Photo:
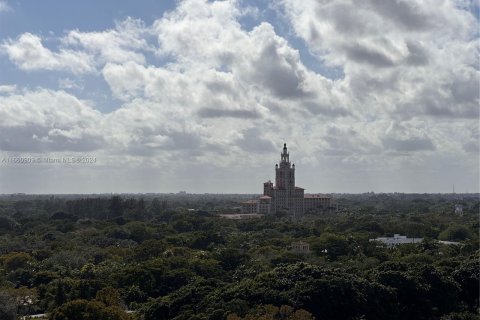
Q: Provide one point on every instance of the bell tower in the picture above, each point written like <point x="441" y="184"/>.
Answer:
<point x="285" y="172"/>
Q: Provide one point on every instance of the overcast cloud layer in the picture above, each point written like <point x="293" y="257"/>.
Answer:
<point x="368" y="95"/>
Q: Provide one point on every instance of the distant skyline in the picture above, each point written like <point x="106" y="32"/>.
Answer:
<point x="200" y="95"/>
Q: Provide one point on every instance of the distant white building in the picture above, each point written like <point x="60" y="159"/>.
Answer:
<point x="241" y="216"/>
<point x="458" y="209"/>
<point x="397" y="239"/>
<point x="454" y="243"/>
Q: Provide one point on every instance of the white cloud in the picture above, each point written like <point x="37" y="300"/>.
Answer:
<point x="44" y="120"/>
<point x="210" y="33"/>
<point x="4" y="7"/>
<point x="67" y="83"/>
<point x="122" y="44"/>
<point x="127" y="80"/>
<point x="28" y="53"/>
<point x="8" y="88"/>
<point x="197" y="30"/>
<point x="408" y="97"/>
<point x="406" y="137"/>
<point x="405" y="57"/>
<point x="81" y="52"/>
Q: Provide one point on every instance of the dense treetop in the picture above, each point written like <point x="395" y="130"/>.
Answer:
<point x="75" y="257"/>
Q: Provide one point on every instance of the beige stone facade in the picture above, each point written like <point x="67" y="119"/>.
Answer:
<point x="300" y="247"/>
<point x="250" y="206"/>
<point x="317" y="201"/>
<point x="284" y="196"/>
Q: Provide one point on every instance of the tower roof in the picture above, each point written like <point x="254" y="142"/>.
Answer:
<point x="284" y="155"/>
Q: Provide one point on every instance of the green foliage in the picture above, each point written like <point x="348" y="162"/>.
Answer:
<point x="467" y="275"/>
<point x="109" y="296"/>
<point x="16" y="260"/>
<point x="134" y="294"/>
<point x="7" y="224"/>
<point x="116" y="207"/>
<point x="8" y="306"/>
<point x="88" y="310"/>
<point x="230" y="258"/>
<point x="455" y="232"/>
<point x="269" y="312"/>
<point x="190" y="296"/>
<point x="331" y="245"/>
<point x="420" y="291"/>
<point x="95" y="257"/>
<point x="138" y="231"/>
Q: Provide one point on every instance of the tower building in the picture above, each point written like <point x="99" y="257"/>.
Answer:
<point x="284" y="196"/>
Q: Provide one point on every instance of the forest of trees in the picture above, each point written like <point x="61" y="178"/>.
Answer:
<point x="172" y="257"/>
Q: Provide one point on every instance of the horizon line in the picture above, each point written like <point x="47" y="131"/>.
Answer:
<point x="239" y="193"/>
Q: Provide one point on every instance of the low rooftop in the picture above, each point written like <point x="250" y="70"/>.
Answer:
<point x="322" y="196"/>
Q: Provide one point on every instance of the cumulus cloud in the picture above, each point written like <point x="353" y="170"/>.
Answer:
<point x="8" y="88"/>
<point x="252" y="140"/>
<point x="407" y="137"/>
<point x="239" y="79"/>
<point x="127" y="80"/>
<point x="44" y="120"/>
<point x="277" y="66"/>
<point x="28" y="53"/>
<point x="221" y="113"/>
<point x="347" y="140"/>
<point x="409" y="15"/>
<point x="81" y="52"/>
<point x="195" y="88"/>
<point x="210" y="32"/>
<point x="400" y="56"/>
<point x="407" y="145"/>
<point x="471" y="141"/>
<point x="126" y="42"/>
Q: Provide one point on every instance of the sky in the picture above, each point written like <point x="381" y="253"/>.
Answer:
<point x="160" y="96"/>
